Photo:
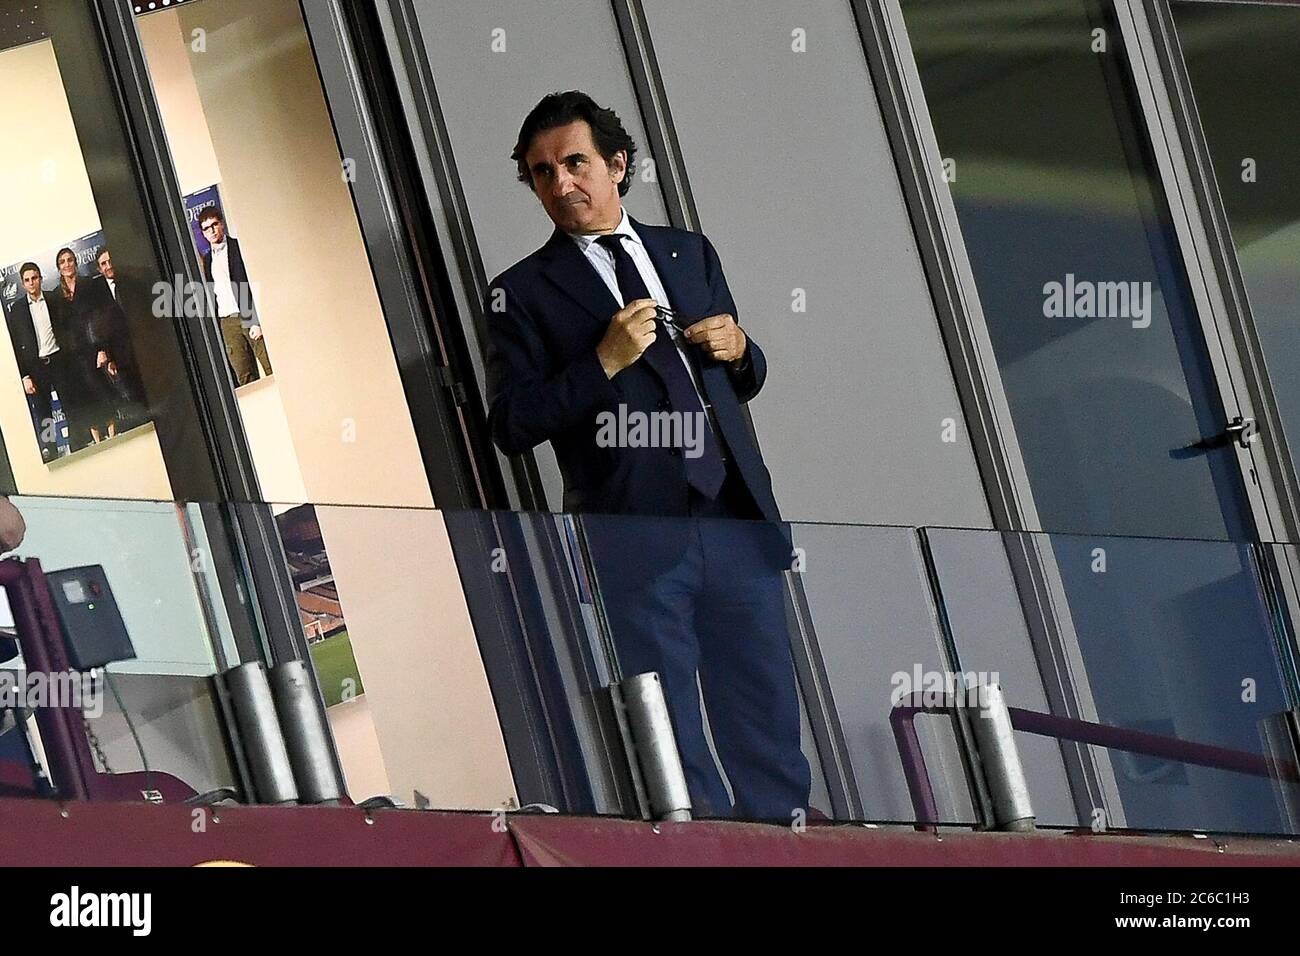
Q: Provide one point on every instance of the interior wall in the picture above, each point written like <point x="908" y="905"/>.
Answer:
<point x="434" y="718"/>
<point x="284" y="190"/>
<point x="353" y="725"/>
<point x="270" y="438"/>
<point x="48" y="201"/>
<point x="859" y="419"/>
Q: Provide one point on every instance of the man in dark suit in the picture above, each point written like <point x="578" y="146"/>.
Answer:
<point x="109" y="336"/>
<point x="46" y="357"/>
<point x="232" y="297"/>
<point x="617" y="342"/>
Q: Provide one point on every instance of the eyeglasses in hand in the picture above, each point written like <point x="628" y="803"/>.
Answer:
<point x="678" y="321"/>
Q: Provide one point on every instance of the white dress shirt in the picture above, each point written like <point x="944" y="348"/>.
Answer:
<point x="112" y="287"/>
<point x="222" y="287"/>
<point x="46" y="343"/>
<point x="602" y="260"/>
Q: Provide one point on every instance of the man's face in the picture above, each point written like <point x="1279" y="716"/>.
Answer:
<point x="32" y="283"/>
<point x="573" y="181"/>
<point x="105" y="265"/>
<point x="214" y="230"/>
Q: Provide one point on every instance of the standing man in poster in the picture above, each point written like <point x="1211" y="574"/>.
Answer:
<point x="685" y="538"/>
<point x="232" y="295"/>
<point x="110" y="337"/>
<point x="36" y="325"/>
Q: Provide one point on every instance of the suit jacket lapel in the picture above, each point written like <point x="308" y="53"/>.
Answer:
<point x="660" y="252"/>
<point x="570" y="272"/>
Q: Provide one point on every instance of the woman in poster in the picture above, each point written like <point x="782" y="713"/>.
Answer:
<point x="96" y="404"/>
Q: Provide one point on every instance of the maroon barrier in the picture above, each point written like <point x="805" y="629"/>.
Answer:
<point x="573" y="841"/>
<point x="77" y="833"/>
<point x="36" y="833"/>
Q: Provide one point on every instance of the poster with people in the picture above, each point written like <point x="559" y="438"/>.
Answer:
<point x="69" y="314"/>
<point x="232" y="295"/>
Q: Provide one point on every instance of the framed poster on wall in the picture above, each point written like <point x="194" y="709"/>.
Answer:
<point x="232" y="293"/>
<point x="68" y="315"/>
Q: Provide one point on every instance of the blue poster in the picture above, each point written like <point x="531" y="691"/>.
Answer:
<point x="195" y="203"/>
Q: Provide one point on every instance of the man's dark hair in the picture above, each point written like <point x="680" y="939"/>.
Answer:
<point x="208" y="213"/>
<point x="561" y="109"/>
<point x="27" y="267"/>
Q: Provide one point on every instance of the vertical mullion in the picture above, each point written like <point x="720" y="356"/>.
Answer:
<point x="415" y="99"/>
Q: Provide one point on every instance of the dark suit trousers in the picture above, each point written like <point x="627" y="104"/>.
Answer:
<point x="719" y="611"/>
<point x="60" y="373"/>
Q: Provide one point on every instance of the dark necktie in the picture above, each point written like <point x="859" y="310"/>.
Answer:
<point x="707" y="472"/>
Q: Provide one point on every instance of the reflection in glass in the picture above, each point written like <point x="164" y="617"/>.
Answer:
<point x="1079" y="275"/>
<point x="855" y="617"/>
<point x="383" y="609"/>
<point x="1162" y="637"/>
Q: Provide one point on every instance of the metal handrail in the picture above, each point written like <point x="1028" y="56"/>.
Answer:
<point x="903" y="716"/>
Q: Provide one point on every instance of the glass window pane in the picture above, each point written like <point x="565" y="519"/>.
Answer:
<point x="150" y="720"/>
<point x="850" y="633"/>
<point x="308" y="348"/>
<point x="1166" y="638"/>
<point x="394" y="652"/>
<point x="1082" y="286"/>
<point x="94" y="395"/>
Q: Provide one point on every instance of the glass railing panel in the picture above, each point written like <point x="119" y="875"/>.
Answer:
<point x="466" y="658"/>
<point x="1172" y="642"/>
<point x="130" y="592"/>
<point x="385" y="603"/>
<point x="798" y="639"/>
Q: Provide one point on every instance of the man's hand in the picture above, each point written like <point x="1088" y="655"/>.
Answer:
<point x="255" y="332"/>
<point x="28" y="385"/>
<point x="630" y="333"/>
<point x="720" y="337"/>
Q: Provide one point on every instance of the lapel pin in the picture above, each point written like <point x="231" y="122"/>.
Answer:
<point x="674" y="253"/>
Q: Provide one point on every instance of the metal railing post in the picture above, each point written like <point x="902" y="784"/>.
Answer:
<point x="998" y="757"/>
<point x="259" y="728"/>
<point x="654" y="747"/>
<point x="306" y="733"/>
